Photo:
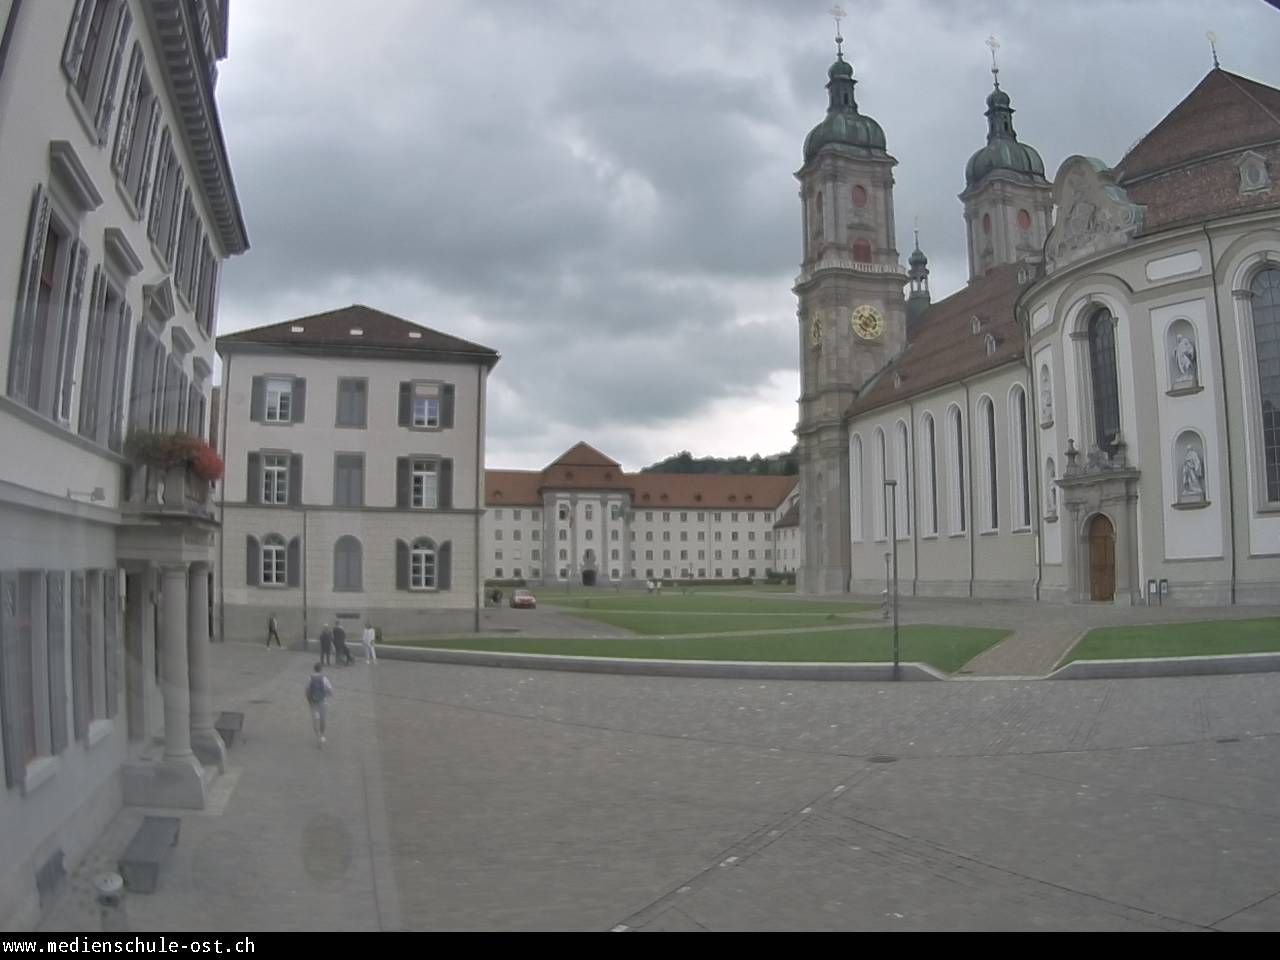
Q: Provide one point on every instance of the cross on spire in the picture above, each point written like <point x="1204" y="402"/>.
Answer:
<point x="994" y="45"/>
<point x="1213" y="46"/>
<point x="838" y="14"/>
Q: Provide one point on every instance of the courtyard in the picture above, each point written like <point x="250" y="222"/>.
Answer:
<point x="454" y="797"/>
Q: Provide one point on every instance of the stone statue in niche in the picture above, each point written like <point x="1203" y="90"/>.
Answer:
<point x="1046" y="402"/>
<point x="1184" y="358"/>
<point x="1192" y="475"/>
<point x="1052" y="495"/>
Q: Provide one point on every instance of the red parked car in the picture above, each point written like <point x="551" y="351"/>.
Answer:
<point x="523" y="599"/>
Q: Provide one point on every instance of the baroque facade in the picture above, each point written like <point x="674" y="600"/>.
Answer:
<point x="1095" y="416"/>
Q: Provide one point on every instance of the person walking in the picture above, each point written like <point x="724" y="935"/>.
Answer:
<point x="273" y="631"/>
<point x="341" y="650"/>
<point x="319" y="690"/>
<point x="326" y="645"/>
<point x="368" y="638"/>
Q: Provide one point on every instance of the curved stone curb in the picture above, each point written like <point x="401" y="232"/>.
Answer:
<point x="1168" y="667"/>
<point x="728" y="669"/>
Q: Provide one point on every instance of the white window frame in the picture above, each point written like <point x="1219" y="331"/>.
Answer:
<point x="274" y="571"/>
<point x="420" y="472"/>
<point x="275" y="478"/>
<point x="422" y="565"/>
<point x="278" y="400"/>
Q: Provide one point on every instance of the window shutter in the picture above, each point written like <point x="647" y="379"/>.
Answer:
<point x="258" y="400"/>
<point x="360" y="402"/>
<point x="254" y="492"/>
<point x="446" y="406"/>
<point x="144" y="182"/>
<point x="24" y="324"/>
<point x="253" y="562"/>
<point x="445" y="500"/>
<point x="402" y="565"/>
<point x="71" y="331"/>
<point x="73" y="51"/>
<point x="95" y="342"/>
<point x="111" y="638"/>
<point x="402" y="482"/>
<point x="107" y="104"/>
<point x="295" y="479"/>
<point x="119" y="376"/>
<point x="299" y="411"/>
<point x="80" y="641"/>
<point x="12" y="719"/>
<point x="56" y="632"/>
<point x="128" y="113"/>
<point x="293" y="562"/>
<point x="405" y="389"/>
<point x="444" y="565"/>
<point x="356" y="481"/>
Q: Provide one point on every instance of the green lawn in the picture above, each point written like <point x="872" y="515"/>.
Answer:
<point x="1180" y="640"/>
<point x="946" y="648"/>
<point x="665" y="623"/>
<point x="696" y="601"/>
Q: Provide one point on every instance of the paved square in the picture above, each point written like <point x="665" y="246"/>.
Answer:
<point x="471" y="798"/>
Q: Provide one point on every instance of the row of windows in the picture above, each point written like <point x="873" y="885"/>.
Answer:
<point x="422" y="483"/>
<point x="421" y="564"/>
<point x="648" y="555"/>
<point x="617" y="514"/>
<point x="97" y="38"/>
<point x="422" y="404"/>
<point x="899" y="468"/>
<point x="47" y="351"/>
<point x="58" y="630"/>
<point x="616" y="574"/>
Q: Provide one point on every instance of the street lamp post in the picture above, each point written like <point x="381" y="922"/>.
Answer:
<point x="892" y="491"/>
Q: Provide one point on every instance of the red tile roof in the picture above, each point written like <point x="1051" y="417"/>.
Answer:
<point x="1225" y="112"/>
<point x="585" y="468"/>
<point x="945" y="348"/>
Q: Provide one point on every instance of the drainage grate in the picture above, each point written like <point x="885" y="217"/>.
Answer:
<point x="1228" y="740"/>
<point x="882" y="758"/>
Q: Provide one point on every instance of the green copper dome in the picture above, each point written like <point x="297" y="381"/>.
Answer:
<point x="917" y="258"/>
<point x="1003" y="150"/>
<point x="843" y="125"/>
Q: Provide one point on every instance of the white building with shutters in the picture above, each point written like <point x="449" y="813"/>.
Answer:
<point x="117" y="208"/>
<point x="354" y="447"/>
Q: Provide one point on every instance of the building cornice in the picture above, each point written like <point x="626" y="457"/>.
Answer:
<point x="189" y="80"/>
<point x="357" y="351"/>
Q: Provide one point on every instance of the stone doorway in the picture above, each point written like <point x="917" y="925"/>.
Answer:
<point x="1102" y="559"/>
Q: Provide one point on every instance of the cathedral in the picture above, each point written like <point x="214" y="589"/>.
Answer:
<point x="1095" y="415"/>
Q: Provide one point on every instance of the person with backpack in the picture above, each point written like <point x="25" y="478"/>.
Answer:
<point x="319" y="690"/>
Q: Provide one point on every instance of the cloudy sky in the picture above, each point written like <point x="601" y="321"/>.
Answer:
<point x="604" y="192"/>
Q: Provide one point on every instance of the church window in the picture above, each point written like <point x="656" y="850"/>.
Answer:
<point x="862" y="250"/>
<point x="1106" y="388"/>
<point x="1266" y="337"/>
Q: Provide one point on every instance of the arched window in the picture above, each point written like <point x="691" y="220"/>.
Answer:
<point x="930" y="475"/>
<point x="817" y="217"/>
<point x="878" y="495"/>
<point x="274" y="572"/>
<point x="1021" y="466"/>
<point x="856" y="486"/>
<point x="902" y="471"/>
<point x="991" y="487"/>
<point x="957" y="486"/>
<point x="1102" y="373"/>
<point x="422" y="564"/>
<point x="862" y="250"/>
<point x="1266" y="337"/>
<point x="348" y="564"/>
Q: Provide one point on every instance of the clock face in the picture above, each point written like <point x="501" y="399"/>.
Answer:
<point x="867" y="322"/>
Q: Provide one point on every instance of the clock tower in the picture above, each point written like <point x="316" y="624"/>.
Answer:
<point x="852" y="314"/>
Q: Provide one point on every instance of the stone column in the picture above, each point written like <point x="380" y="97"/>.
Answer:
<point x="177" y="780"/>
<point x="205" y="741"/>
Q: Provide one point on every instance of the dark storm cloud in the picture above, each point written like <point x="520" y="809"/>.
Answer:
<point x="605" y="192"/>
